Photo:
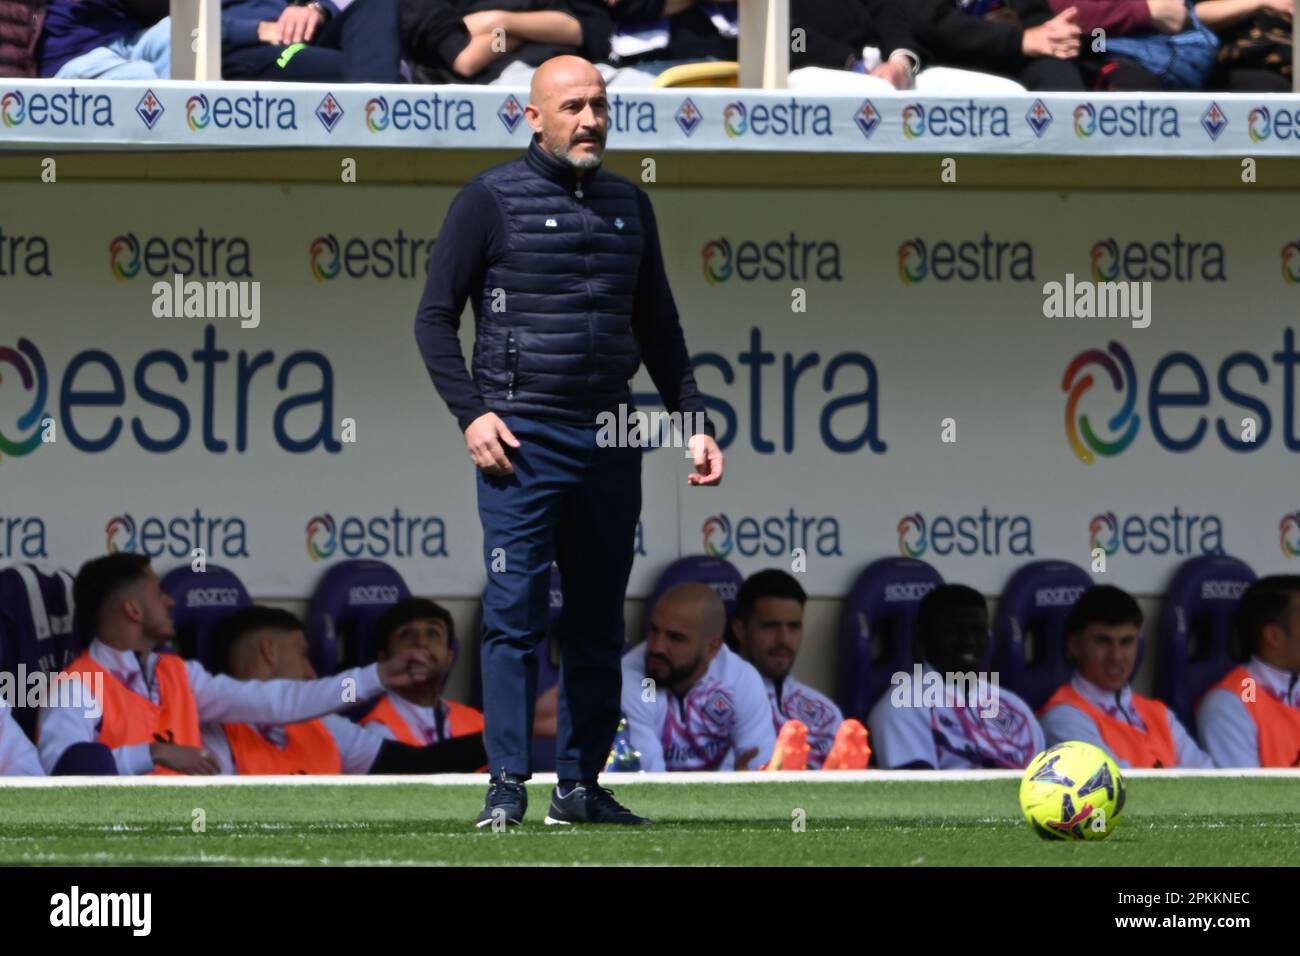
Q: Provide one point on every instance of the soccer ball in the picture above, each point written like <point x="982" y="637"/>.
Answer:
<point x="1072" y="791"/>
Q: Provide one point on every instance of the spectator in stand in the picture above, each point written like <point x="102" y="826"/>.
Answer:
<point x="1255" y="54"/>
<point x="455" y="41"/>
<point x="105" y="40"/>
<point x="349" y="41"/>
<point x="1026" y="40"/>
<point x="653" y="35"/>
<point x="868" y="45"/>
<point x="1019" y="39"/>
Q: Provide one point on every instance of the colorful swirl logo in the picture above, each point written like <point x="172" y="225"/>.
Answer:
<point x="717" y="261"/>
<point x="1078" y="429"/>
<point x="1291" y="263"/>
<point x="1085" y="120"/>
<point x="120" y="534"/>
<point x="325" y="263"/>
<point x="27" y="362"/>
<point x="13" y="108"/>
<point x="1259" y="124"/>
<point x="913" y="121"/>
<point x="196" y="111"/>
<point x="717" y="536"/>
<point x="124" y="256"/>
<point x="1105" y="261"/>
<point x="913" y="262"/>
<point x="1103" y="532"/>
<point x="735" y="119"/>
<point x="1289" y="530"/>
<point x="376" y="114"/>
<point x="911" y="536"/>
<point x="321" y="537"/>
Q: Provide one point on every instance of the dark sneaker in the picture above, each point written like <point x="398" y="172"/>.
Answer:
<point x="590" y="803"/>
<point x="507" y="801"/>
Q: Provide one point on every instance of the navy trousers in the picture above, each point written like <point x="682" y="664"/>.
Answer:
<point x="575" y="503"/>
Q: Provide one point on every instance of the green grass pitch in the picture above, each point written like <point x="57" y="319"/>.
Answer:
<point x="1189" y="821"/>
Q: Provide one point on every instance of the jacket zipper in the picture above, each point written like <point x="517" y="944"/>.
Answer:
<point x="586" y="258"/>
<point x="512" y="364"/>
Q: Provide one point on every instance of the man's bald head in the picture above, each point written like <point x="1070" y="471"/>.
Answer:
<point x="684" y="635"/>
<point x="702" y="603"/>
<point x="568" y="109"/>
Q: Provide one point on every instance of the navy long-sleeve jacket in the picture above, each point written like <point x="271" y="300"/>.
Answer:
<point x="574" y="331"/>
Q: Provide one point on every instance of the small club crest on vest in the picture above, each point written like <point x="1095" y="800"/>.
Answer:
<point x="618" y="223"/>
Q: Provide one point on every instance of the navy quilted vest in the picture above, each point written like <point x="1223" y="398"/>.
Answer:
<point x="554" y="338"/>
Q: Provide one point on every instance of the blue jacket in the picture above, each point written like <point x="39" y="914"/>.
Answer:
<point x="566" y="279"/>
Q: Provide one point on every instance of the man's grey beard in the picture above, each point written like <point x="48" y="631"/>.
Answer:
<point x="585" y="162"/>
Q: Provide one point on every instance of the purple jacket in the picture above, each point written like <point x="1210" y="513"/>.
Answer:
<point x="20" y="28"/>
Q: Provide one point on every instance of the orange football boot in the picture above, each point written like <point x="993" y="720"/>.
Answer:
<point x="791" y="750"/>
<point x="851" y="749"/>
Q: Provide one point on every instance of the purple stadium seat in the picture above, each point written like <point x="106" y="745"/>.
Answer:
<point x="1029" y="629"/>
<point x="202" y="599"/>
<point x="341" y="620"/>
<point x="717" y="573"/>
<point x="38" y="627"/>
<point x="1197" y="642"/>
<point x="876" y="630"/>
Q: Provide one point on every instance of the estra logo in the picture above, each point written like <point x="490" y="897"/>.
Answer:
<point x="968" y="534"/>
<point x="945" y="121"/>
<point x="389" y="257"/>
<point x="1172" y="260"/>
<point x="792" y="119"/>
<point x="1171" y="532"/>
<point x="240" y="112"/>
<point x="379" y="536"/>
<point x="965" y="260"/>
<point x="177" y="535"/>
<point x="792" y="259"/>
<point x="198" y="255"/>
<point x="774" y="535"/>
<point x="32" y="378"/>
<point x="55" y="109"/>
<point x="1138" y="120"/>
<point x="199" y="399"/>
<point x="1289" y="531"/>
<point x="1235" y="372"/>
<point x="436" y="112"/>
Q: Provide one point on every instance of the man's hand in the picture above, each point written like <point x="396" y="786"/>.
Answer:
<point x="895" y="72"/>
<point x="182" y="759"/>
<point x="1058" y="37"/>
<point x="484" y="438"/>
<point x="743" y="759"/>
<point x="409" y="668"/>
<point x="296" y="25"/>
<point x="708" y="461"/>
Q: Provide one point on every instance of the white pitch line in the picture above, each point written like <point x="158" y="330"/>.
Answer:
<point x="613" y="780"/>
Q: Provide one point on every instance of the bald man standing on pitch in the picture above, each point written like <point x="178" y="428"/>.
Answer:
<point x="690" y="703"/>
<point x="561" y="263"/>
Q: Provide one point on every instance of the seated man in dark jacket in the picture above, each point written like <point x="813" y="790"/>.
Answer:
<point x="475" y="41"/>
<point x="1020" y="39"/>
<point x="321" y="41"/>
